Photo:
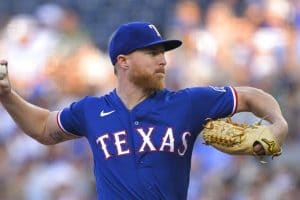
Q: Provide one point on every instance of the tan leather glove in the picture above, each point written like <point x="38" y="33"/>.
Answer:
<point x="233" y="138"/>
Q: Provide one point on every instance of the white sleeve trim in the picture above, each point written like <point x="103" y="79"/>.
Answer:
<point x="234" y="95"/>
<point x="61" y="126"/>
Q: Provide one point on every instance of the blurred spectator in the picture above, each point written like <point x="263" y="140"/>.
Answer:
<point x="20" y="43"/>
<point x="76" y="65"/>
<point x="270" y="43"/>
<point x="196" y="54"/>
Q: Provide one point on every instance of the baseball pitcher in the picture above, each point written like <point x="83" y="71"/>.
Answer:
<point x="142" y="134"/>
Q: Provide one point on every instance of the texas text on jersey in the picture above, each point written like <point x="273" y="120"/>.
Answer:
<point x="145" y="153"/>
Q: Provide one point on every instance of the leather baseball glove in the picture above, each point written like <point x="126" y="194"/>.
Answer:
<point x="233" y="138"/>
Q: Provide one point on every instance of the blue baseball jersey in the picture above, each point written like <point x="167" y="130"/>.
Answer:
<point x="145" y="153"/>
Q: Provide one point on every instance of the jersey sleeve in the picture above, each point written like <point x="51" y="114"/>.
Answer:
<point x="71" y="119"/>
<point x="213" y="102"/>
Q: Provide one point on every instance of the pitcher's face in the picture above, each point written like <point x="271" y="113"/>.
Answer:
<point x="147" y="68"/>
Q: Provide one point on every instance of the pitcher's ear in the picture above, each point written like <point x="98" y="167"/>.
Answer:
<point x="122" y="61"/>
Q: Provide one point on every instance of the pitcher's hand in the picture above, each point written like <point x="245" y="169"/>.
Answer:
<point x="5" y="87"/>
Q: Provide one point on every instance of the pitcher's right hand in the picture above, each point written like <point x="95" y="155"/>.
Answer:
<point x="5" y="87"/>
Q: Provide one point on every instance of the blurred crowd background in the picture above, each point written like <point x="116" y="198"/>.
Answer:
<point x="57" y="53"/>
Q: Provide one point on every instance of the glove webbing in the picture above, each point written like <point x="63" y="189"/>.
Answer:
<point x="227" y="137"/>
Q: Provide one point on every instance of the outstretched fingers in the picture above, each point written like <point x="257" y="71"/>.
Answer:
<point x="5" y="87"/>
<point x="3" y="69"/>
